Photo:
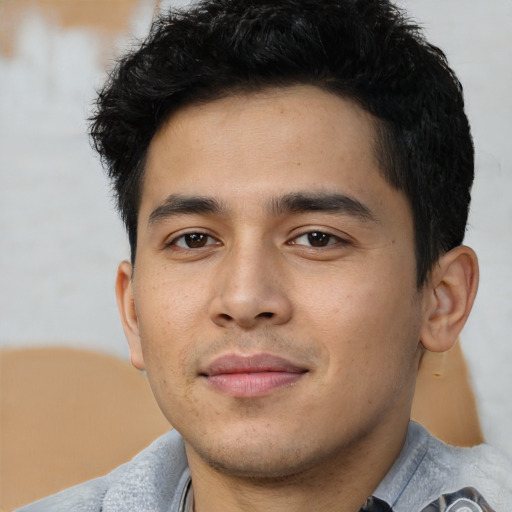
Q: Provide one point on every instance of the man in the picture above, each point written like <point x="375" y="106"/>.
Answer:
<point x="295" y="177"/>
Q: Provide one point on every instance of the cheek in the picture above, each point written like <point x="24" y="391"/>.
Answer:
<point x="169" y="313"/>
<point x="168" y="301"/>
<point x="371" y="340"/>
<point x="367" y="319"/>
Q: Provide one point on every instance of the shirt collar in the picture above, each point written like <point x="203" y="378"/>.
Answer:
<point x="398" y="477"/>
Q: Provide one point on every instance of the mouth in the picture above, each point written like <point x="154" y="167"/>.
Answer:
<point x="247" y="376"/>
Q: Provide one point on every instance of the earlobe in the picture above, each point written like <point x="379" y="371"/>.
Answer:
<point x="449" y="298"/>
<point x="126" y="305"/>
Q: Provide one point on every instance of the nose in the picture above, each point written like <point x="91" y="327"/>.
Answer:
<point x="250" y="291"/>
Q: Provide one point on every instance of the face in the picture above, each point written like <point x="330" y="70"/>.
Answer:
<point x="273" y="302"/>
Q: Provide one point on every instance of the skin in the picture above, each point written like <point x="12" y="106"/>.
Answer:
<point x="239" y="274"/>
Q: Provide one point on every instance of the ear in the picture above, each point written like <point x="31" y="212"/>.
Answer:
<point x="449" y="297"/>
<point x="126" y="305"/>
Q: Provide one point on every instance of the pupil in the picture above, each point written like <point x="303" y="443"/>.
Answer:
<point x="317" y="239"/>
<point x="195" y="240"/>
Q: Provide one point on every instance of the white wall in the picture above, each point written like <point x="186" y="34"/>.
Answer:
<point x="61" y="239"/>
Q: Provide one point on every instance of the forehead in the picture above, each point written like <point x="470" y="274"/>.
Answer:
<point x="264" y="144"/>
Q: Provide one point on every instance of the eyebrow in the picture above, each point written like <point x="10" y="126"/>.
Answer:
<point x="301" y="202"/>
<point x="296" y="203"/>
<point x="184" y="205"/>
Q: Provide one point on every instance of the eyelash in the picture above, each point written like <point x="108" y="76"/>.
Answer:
<point x="331" y="240"/>
<point x="175" y="241"/>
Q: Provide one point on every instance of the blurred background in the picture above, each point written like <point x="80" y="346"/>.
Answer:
<point x="60" y="237"/>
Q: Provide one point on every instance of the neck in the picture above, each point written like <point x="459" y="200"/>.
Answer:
<point x="342" y="482"/>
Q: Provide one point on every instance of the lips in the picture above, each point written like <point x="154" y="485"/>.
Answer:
<point x="245" y="376"/>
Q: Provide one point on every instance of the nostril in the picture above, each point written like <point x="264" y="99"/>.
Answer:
<point x="266" y="315"/>
<point x="225" y="317"/>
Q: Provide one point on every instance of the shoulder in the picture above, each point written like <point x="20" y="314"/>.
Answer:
<point x="482" y="467"/>
<point x="151" y="479"/>
<point x="447" y="469"/>
<point x="85" y="497"/>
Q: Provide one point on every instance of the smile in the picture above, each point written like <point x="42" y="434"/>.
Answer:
<point x="251" y="376"/>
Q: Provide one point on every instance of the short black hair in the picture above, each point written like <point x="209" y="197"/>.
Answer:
<point x="366" y="50"/>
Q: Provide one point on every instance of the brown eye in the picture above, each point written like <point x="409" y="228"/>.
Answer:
<point x="316" y="239"/>
<point x="319" y="239"/>
<point x="193" y="241"/>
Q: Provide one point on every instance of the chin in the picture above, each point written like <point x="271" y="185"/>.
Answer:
<point x="264" y="459"/>
<point x="262" y="467"/>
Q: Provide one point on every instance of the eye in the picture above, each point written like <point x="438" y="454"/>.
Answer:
<point x="316" y="239"/>
<point x="193" y="241"/>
